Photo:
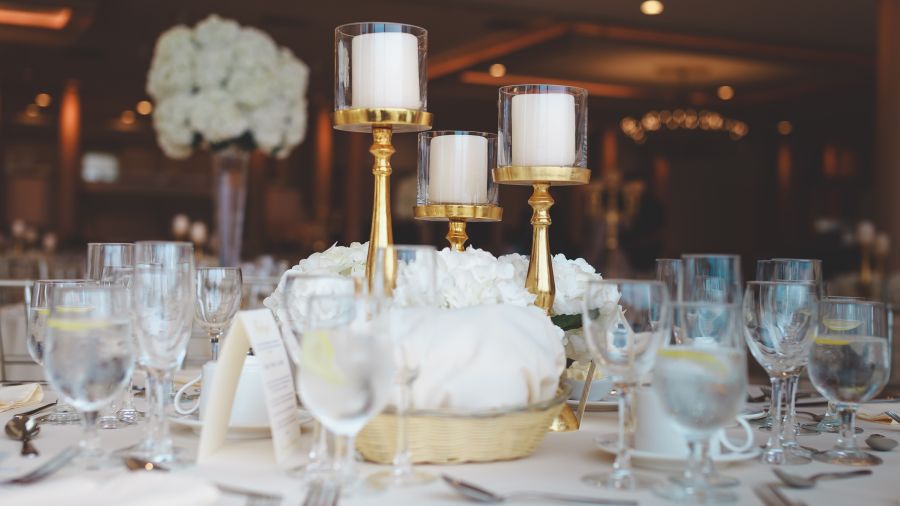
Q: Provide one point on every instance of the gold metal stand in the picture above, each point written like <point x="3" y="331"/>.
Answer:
<point x="382" y="123"/>
<point x="539" y="280"/>
<point x="458" y="215"/>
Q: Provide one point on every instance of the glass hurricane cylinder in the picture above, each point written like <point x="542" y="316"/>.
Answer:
<point x="542" y="125"/>
<point x="380" y="66"/>
<point x="229" y="196"/>
<point x="454" y="168"/>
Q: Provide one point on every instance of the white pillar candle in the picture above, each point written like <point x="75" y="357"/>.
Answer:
<point x="543" y="130"/>
<point x="458" y="169"/>
<point x="385" y="70"/>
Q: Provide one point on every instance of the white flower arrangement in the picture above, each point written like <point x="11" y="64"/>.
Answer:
<point x="220" y="84"/>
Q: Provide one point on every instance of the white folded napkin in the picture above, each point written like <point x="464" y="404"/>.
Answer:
<point x="481" y="357"/>
<point x="18" y="396"/>
<point x="134" y="489"/>
<point x="874" y="412"/>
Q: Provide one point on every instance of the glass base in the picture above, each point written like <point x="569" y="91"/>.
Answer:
<point x="392" y="478"/>
<point x="109" y="422"/>
<point x="619" y="481"/>
<point x="130" y="416"/>
<point x="694" y="495"/>
<point x="847" y="458"/>
<point x="63" y="415"/>
<point x="785" y="457"/>
<point x="714" y="480"/>
<point x="833" y="428"/>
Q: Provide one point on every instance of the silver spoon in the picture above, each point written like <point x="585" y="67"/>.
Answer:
<point x="794" y="481"/>
<point x="139" y="464"/>
<point x="881" y="443"/>
<point x="475" y="493"/>
<point x="24" y="430"/>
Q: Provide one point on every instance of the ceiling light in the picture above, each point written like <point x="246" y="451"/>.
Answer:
<point x="127" y="117"/>
<point x="652" y="7"/>
<point x="42" y="100"/>
<point x="785" y="127"/>
<point x="35" y="17"/>
<point x="725" y="92"/>
<point x="144" y="107"/>
<point x="497" y="70"/>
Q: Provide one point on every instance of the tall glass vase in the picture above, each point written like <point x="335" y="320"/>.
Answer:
<point x="229" y="197"/>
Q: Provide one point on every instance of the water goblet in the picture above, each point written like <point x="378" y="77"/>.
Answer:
<point x="89" y="354"/>
<point x="711" y="278"/>
<point x="670" y="272"/>
<point x="163" y="310"/>
<point x="38" y="312"/>
<point x="701" y="380"/>
<point x="849" y="364"/>
<point x="346" y="373"/>
<point x="415" y="268"/>
<point x="218" y="298"/>
<point x="624" y="322"/>
<point x="780" y="319"/>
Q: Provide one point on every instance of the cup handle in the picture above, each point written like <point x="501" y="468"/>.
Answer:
<point x="748" y="434"/>
<point x="181" y="391"/>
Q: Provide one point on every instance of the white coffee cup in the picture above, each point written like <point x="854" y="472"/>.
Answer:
<point x="657" y="433"/>
<point x="249" y="408"/>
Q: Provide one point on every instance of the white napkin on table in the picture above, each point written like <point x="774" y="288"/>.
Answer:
<point x="481" y="357"/>
<point x="18" y="396"/>
<point x="874" y="412"/>
<point x="134" y="489"/>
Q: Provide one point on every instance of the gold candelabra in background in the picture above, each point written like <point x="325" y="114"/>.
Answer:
<point x="458" y="215"/>
<point x="615" y="202"/>
<point x="382" y="123"/>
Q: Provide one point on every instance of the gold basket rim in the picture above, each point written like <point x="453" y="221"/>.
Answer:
<point x="562" y="395"/>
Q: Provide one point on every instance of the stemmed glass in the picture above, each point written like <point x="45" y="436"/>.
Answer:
<point x="163" y="302"/>
<point x="298" y="288"/>
<point x="346" y="371"/>
<point x="112" y="263"/>
<point x="701" y="380"/>
<point x="780" y="319"/>
<point x="218" y="299"/>
<point x="416" y="282"/>
<point x="849" y="364"/>
<point x="38" y="312"/>
<point x="624" y="323"/>
<point x="90" y="353"/>
<point x="670" y="272"/>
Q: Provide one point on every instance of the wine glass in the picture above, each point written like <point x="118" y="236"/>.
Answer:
<point x="112" y="263"/>
<point x="346" y="372"/>
<point x="163" y="302"/>
<point x="415" y="285"/>
<point x="701" y="381"/>
<point x="670" y="272"/>
<point x="90" y="353"/>
<point x="624" y="323"/>
<point x="712" y="278"/>
<point x="849" y="364"/>
<point x="218" y="299"/>
<point x="298" y="288"/>
<point x="780" y="319"/>
<point x="38" y="312"/>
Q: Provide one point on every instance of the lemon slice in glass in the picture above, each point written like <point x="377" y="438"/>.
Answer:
<point x="832" y="341"/>
<point x="701" y="358"/>
<point x="317" y="354"/>
<point x="77" y="325"/>
<point x="840" y="325"/>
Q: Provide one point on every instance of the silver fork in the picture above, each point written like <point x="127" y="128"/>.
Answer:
<point x="322" y="494"/>
<point x="45" y="469"/>
<point x="893" y="415"/>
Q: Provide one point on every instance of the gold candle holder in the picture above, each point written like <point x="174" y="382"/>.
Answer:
<point x="458" y="215"/>
<point x="382" y="123"/>
<point x="539" y="279"/>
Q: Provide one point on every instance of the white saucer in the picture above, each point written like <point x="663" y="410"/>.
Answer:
<point x="595" y="406"/>
<point x="609" y="444"/>
<point x="236" y="431"/>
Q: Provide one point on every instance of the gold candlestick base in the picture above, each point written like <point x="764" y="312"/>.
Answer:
<point x="382" y="123"/>
<point x="539" y="280"/>
<point x="458" y="215"/>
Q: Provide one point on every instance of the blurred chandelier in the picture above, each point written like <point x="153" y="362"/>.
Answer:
<point x="689" y="119"/>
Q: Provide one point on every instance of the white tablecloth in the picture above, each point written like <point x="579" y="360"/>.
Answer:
<point x="557" y="466"/>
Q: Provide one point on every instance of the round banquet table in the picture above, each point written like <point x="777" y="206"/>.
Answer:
<point x="557" y="465"/>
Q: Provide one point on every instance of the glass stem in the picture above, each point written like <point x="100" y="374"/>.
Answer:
<point x="694" y="474"/>
<point x="160" y="438"/>
<point x="847" y="438"/>
<point x="402" y="457"/>
<point x="345" y="458"/>
<point x="790" y="431"/>
<point x="622" y="465"/>
<point x="214" y="344"/>
<point x="90" y="439"/>
<point x="775" y="434"/>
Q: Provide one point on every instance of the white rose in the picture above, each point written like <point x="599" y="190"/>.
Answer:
<point x="212" y="67"/>
<point x="269" y="124"/>
<point x="174" y="42"/>
<point x="171" y="118"/>
<point x="216" y="32"/>
<point x="252" y="85"/>
<point x="216" y="116"/>
<point x="170" y="76"/>
<point x="571" y="278"/>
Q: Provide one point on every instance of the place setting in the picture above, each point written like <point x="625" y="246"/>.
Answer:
<point x="277" y="357"/>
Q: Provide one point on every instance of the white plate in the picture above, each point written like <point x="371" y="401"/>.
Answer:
<point x="237" y="431"/>
<point x="609" y="444"/>
<point x="595" y="406"/>
<point x="753" y="414"/>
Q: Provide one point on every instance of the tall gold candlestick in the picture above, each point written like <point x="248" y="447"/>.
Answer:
<point x="458" y="215"/>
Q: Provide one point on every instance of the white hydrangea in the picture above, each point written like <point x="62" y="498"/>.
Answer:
<point x="239" y="81"/>
<point x="571" y="277"/>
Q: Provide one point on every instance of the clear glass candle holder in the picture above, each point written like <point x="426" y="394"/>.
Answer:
<point x="542" y="125"/>
<point x="455" y="168"/>
<point x="380" y="66"/>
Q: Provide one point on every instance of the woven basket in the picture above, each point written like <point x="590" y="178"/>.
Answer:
<point x="445" y="437"/>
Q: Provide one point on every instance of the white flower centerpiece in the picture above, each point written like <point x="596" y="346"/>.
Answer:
<point x="232" y="90"/>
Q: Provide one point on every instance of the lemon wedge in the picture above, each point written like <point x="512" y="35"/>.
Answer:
<point x="840" y="325"/>
<point x="831" y="341"/>
<point x="695" y="356"/>
<point x="77" y="325"/>
<point x="317" y="354"/>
